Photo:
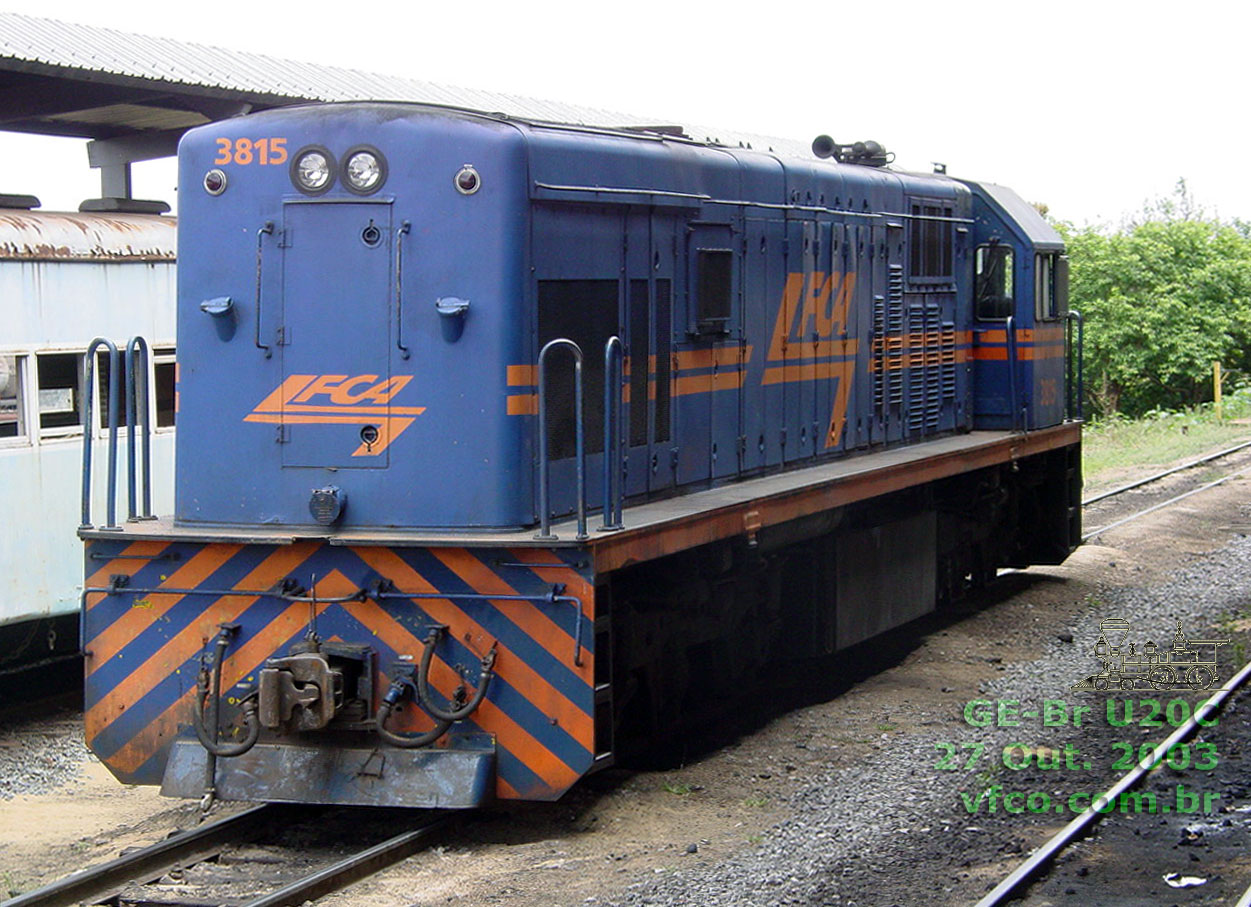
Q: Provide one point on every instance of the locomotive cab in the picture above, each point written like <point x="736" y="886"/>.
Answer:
<point x="1020" y="309"/>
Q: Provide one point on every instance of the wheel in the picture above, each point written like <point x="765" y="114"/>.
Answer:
<point x="1200" y="677"/>
<point x="1162" y="677"/>
<point x="1101" y="683"/>
<point x="1127" y="684"/>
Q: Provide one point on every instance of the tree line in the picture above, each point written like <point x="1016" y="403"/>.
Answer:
<point x="1163" y="297"/>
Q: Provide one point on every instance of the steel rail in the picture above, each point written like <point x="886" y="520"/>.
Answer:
<point x="1168" y="472"/>
<point x="1173" y="500"/>
<point x="151" y="862"/>
<point x="1006" y="889"/>
<point x="354" y="868"/>
<point x="1245" y="900"/>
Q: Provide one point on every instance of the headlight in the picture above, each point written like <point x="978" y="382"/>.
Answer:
<point x="364" y="170"/>
<point x="312" y="170"/>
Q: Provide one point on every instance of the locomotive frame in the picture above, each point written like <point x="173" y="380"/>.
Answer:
<point x="856" y="391"/>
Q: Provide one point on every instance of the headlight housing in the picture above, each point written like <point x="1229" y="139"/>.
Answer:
<point x="364" y="170"/>
<point x="215" y="182"/>
<point x="313" y="170"/>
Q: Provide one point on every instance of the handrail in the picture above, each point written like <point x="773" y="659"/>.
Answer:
<point x="136" y="378"/>
<point x="1074" y="401"/>
<point x="614" y="375"/>
<point x="545" y="519"/>
<point x="260" y="246"/>
<point x="89" y="431"/>
<point x="1010" y="326"/>
<point x="399" y="288"/>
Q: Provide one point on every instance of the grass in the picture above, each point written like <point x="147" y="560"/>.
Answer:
<point x="1114" y="449"/>
<point x="678" y="790"/>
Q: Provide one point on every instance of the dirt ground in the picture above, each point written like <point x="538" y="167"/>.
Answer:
<point x="620" y="829"/>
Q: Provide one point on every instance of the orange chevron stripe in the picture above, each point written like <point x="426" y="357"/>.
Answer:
<point x="518" y="673"/>
<point x="191" y="638"/>
<point x="522" y="675"/>
<point x="242" y="662"/>
<point x="516" y="739"/>
<point x="128" y="566"/>
<point x="537" y="625"/>
<point x="113" y="638"/>
<point x="574" y="583"/>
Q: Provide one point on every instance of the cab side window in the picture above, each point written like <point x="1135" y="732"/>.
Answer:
<point x="1045" y="307"/>
<point x="993" y="285"/>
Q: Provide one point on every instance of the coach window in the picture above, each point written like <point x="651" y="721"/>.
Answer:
<point x="58" y="383"/>
<point x="713" y="290"/>
<point x="12" y="403"/>
<point x="993" y="285"/>
<point x="1044" y="286"/>
<point x="164" y="374"/>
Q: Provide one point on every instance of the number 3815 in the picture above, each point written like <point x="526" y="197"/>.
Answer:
<point x="251" y="151"/>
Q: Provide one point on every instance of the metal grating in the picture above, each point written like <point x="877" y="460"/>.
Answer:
<point x="927" y="386"/>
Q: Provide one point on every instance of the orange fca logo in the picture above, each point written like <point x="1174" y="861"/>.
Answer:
<point x="338" y="400"/>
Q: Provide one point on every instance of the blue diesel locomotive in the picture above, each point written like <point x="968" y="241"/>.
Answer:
<point x="810" y="398"/>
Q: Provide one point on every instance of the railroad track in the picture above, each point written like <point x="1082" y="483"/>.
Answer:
<point x="1017" y="883"/>
<point x="267" y="856"/>
<point x="1160" y="476"/>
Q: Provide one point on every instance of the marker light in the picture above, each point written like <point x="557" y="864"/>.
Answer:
<point x="312" y="170"/>
<point x="467" y="180"/>
<point x="215" y="182"/>
<point x="364" y="170"/>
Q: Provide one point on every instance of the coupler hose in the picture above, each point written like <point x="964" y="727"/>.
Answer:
<point x="209" y="686"/>
<point x="398" y="738"/>
<point x="423" y="682"/>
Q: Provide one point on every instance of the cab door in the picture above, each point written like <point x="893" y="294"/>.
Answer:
<point x="1045" y="360"/>
<point x="335" y="400"/>
<point x="649" y="352"/>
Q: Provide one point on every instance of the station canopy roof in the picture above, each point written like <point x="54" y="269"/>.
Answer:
<point x="135" y="95"/>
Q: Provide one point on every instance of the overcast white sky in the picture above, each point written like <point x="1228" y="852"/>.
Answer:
<point x="1090" y="107"/>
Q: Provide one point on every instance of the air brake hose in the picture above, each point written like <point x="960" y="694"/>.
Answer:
<point x="398" y="738"/>
<point x="210" y="686"/>
<point x="423" y="682"/>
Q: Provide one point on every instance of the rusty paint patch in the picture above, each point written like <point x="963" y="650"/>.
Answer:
<point x="59" y="236"/>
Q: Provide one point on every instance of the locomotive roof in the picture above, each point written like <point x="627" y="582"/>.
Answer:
<point x="1037" y="231"/>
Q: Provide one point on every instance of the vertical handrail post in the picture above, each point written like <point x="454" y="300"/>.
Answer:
<point x="545" y="521"/>
<point x="138" y="407"/>
<point x="614" y="375"/>
<point x="1075" y="393"/>
<point x="264" y="231"/>
<point x="1010" y="327"/>
<point x="399" y="288"/>
<point x="89" y="430"/>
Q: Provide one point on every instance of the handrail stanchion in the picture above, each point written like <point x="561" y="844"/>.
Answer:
<point x="260" y="250"/>
<point x="1010" y="327"/>
<point x="614" y="369"/>
<point x="89" y="431"/>
<point x="137" y="399"/>
<point x="1075" y="399"/>
<point x="545" y="521"/>
<point x="403" y="231"/>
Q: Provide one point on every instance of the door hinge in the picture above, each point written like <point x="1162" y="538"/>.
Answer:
<point x="282" y="434"/>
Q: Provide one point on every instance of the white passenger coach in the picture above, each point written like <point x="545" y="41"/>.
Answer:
<point x="65" y="279"/>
